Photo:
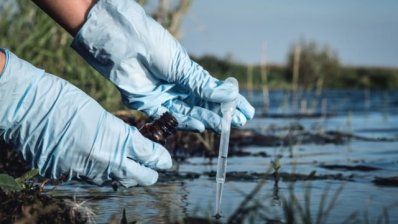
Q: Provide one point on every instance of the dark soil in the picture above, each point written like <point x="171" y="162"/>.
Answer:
<point x="284" y="176"/>
<point x="350" y="168"/>
<point x="386" y="181"/>
<point x="31" y="206"/>
<point x="167" y="176"/>
<point x="11" y="162"/>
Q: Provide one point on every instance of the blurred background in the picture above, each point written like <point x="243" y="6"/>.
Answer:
<point x="361" y="33"/>
<point x="268" y="45"/>
<point x="323" y="77"/>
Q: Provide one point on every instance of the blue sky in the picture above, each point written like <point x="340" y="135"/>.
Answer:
<point x="362" y="32"/>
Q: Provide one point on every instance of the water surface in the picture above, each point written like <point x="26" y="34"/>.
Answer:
<point x="372" y="114"/>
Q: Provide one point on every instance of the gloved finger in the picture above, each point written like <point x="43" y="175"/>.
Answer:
<point x="179" y="111"/>
<point x="207" y="118"/>
<point x="148" y="152"/>
<point x="125" y="182"/>
<point x="134" y="173"/>
<point x="188" y="123"/>
<point x="224" y="91"/>
<point x="210" y="119"/>
<point x="238" y="119"/>
<point x="245" y="107"/>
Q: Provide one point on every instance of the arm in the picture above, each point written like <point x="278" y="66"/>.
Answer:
<point x="2" y="62"/>
<point x="153" y="72"/>
<point x="63" y="132"/>
<point x="70" y="14"/>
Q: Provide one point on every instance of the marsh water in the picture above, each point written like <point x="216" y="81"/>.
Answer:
<point x="373" y="115"/>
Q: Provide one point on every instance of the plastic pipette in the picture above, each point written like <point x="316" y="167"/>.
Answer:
<point x="227" y="110"/>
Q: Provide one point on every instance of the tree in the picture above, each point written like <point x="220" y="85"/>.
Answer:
<point x="315" y="65"/>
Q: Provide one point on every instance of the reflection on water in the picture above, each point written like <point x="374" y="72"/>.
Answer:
<point x="155" y="204"/>
<point x="374" y="114"/>
<point x="276" y="200"/>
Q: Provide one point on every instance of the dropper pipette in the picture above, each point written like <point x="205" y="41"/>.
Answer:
<point x="227" y="110"/>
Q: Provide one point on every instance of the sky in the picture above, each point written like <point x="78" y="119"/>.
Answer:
<point x="362" y="32"/>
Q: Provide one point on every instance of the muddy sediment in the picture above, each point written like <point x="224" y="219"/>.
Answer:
<point x="32" y="206"/>
<point x="363" y="168"/>
<point x="284" y="176"/>
<point x="11" y="162"/>
<point x="254" y="176"/>
<point x="386" y="181"/>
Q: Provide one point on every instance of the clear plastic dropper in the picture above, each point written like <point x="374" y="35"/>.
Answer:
<point x="227" y="110"/>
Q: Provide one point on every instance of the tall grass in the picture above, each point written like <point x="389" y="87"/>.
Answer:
<point x="32" y="35"/>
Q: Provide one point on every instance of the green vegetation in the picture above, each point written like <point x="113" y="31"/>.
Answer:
<point x="318" y="68"/>
<point x="367" y="77"/>
<point x="22" y="201"/>
<point x="222" y="68"/>
<point x="9" y="183"/>
<point x="311" y="66"/>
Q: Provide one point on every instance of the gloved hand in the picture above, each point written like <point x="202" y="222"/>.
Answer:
<point x="63" y="132"/>
<point x="151" y="69"/>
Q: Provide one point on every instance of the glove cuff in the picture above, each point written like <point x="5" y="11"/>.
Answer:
<point x="6" y="58"/>
<point x="16" y="82"/>
<point x="113" y="40"/>
<point x="105" y="40"/>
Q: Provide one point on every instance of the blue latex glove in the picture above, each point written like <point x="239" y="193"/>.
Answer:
<point x="63" y="132"/>
<point x="151" y="69"/>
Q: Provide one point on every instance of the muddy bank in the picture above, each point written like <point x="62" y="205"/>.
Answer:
<point x="254" y="176"/>
<point x="32" y="206"/>
<point x="27" y="203"/>
<point x="284" y="176"/>
<point x="11" y="162"/>
<point x="386" y="181"/>
<point x="350" y="168"/>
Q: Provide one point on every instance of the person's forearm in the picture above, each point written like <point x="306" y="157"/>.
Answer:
<point x="2" y="62"/>
<point x="70" y="14"/>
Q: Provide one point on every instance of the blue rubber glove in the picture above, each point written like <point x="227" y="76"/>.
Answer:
<point x="63" y="132"/>
<point x="152" y="71"/>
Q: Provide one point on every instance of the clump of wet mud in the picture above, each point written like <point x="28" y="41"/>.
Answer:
<point x="284" y="176"/>
<point x="11" y="162"/>
<point x="362" y="168"/>
<point x="167" y="176"/>
<point x="30" y="205"/>
<point x="386" y="181"/>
